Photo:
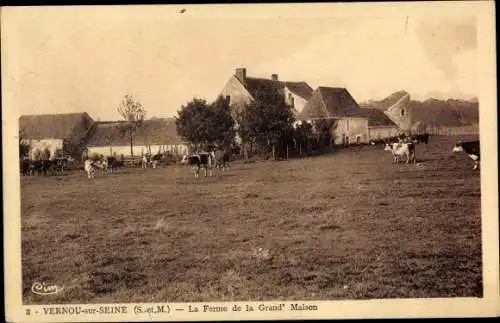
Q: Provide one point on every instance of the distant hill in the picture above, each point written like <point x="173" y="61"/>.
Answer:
<point x="433" y="112"/>
<point x="445" y="113"/>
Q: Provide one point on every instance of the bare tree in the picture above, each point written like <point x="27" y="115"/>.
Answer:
<point x="134" y="114"/>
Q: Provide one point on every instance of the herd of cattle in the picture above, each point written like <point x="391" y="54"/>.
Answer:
<point x="402" y="149"/>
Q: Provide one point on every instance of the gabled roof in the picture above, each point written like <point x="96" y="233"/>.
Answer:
<point x="329" y="102"/>
<point x="158" y="131"/>
<point x="388" y="102"/>
<point x="301" y="89"/>
<point x="52" y="126"/>
<point x="376" y="117"/>
<point x="253" y="84"/>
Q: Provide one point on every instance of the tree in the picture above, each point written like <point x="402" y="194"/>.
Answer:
<point x="134" y="114"/>
<point x="209" y="125"/>
<point x="267" y="118"/>
<point x="24" y="147"/>
<point x="324" y="129"/>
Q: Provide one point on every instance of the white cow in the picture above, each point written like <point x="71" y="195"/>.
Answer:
<point x="89" y="168"/>
<point x="401" y="149"/>
<point x="102" y="164"/>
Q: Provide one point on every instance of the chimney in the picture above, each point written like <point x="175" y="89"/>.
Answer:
<point x="274" y="77"/>
<point x="241" y="74"/>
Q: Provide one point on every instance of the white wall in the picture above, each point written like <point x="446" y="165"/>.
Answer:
<point x="42" y="144"/>
<point x="138" y="150"/>
<point x="298" y="102"/>
<point x="351" y="129"/>
<point x="383" y="132"/>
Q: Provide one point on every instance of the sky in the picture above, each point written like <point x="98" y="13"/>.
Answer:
<point x="75" y="59"/>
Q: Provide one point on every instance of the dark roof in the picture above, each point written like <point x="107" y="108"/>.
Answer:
<point x="376" y="117"/>
<point x="329" y="102"/>
<point x="387" y="102"/>
<point x="158" y="131"/>
<point x="252" y="84"/>
<point x="56" y="126"/>
<point x="301" y="89"/>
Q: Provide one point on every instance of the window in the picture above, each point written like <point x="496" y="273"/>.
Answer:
<point x="402" y="112"/>
<point x="228" y="98"/>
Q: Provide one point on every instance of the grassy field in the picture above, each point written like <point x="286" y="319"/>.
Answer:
<point x="351" y="225"/>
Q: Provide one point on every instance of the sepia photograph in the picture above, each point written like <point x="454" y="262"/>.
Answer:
<point x="283" y="155"/>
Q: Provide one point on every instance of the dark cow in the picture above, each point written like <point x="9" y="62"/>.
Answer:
<point x="420" y="138"/>
<point x="222" y="158"/>
<point x="114" y="164"/>
<point x="198" y="162"/>
<point x="472" y="149"/>
<point x="25" y="167"/>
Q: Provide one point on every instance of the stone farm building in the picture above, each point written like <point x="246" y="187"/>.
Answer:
<point x="157" y="135"/>
<point x="357" y="124"/>
<point x="54" y="132"/>
<point x="240" y="89"/>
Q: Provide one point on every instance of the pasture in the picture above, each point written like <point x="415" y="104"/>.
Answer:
<point x="350" y="225"/>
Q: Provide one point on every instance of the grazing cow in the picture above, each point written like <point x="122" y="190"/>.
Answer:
<point x="471" y="148"/>
<point x="221" y="158"/>
<point x="25" y="167"/>
<point x="199" y="161"/>
<point x="89" y="168"/>
<point x="57" y="166"/>
<point x="113" y="164"/>
<point x="419" y="138"/>
<point x="102" y="165"/>
<point x="400" y="150"/>
<point x="144" y="161"/>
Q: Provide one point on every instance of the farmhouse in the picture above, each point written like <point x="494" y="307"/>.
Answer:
<point x="353" y="123"/>
<point x="240" y="89"/>
<point x="157" y="135"/>
<point x="54" y="132"/>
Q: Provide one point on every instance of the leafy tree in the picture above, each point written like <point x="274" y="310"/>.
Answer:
<point x="210" y="125"/>
<point x="46" y="154"/>
<point x="134" y="114"/>
<point x="221" y="124"/>
<point x="302" y="135"/>
<point x="267" y="118"/>
<point x="24" y="147"/>
<point x="324" y="130"/>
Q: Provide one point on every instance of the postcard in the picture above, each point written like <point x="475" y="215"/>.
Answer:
<point x="250" y="161"/>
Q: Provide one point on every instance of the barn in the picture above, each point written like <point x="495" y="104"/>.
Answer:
<point x="353" y="123"/>
<point x="65" y="132"/>
<point x="240" y="89"/>
<point x="156" y="135"/>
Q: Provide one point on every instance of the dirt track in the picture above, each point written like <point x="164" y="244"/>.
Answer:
<point x="347" y="226"/>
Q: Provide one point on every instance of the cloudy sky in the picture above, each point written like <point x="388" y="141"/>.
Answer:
<point x="73" y="59"/>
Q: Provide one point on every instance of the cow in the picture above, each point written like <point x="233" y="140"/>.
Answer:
<point x="221" y="158"/>
<point x="471" y="148"/>
<point x="25" y="167"/>
<point x="198" y="162"/>
<point x="101" y="164"/>
<point x="57" y="166"/>
<point x="420" y="138"/>
<point x="144" y="162"/>
<point x="401" y="149"/>
<point x="89" y="168"/>
<point x="113" y="164"/>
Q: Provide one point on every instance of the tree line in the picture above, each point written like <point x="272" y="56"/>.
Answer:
<point x="264" y="127"/>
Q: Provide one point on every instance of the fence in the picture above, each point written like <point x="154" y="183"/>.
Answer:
<point x="453" y="131"/>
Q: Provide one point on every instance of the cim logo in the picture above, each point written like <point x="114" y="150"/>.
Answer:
<point x="45" y="289"/>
